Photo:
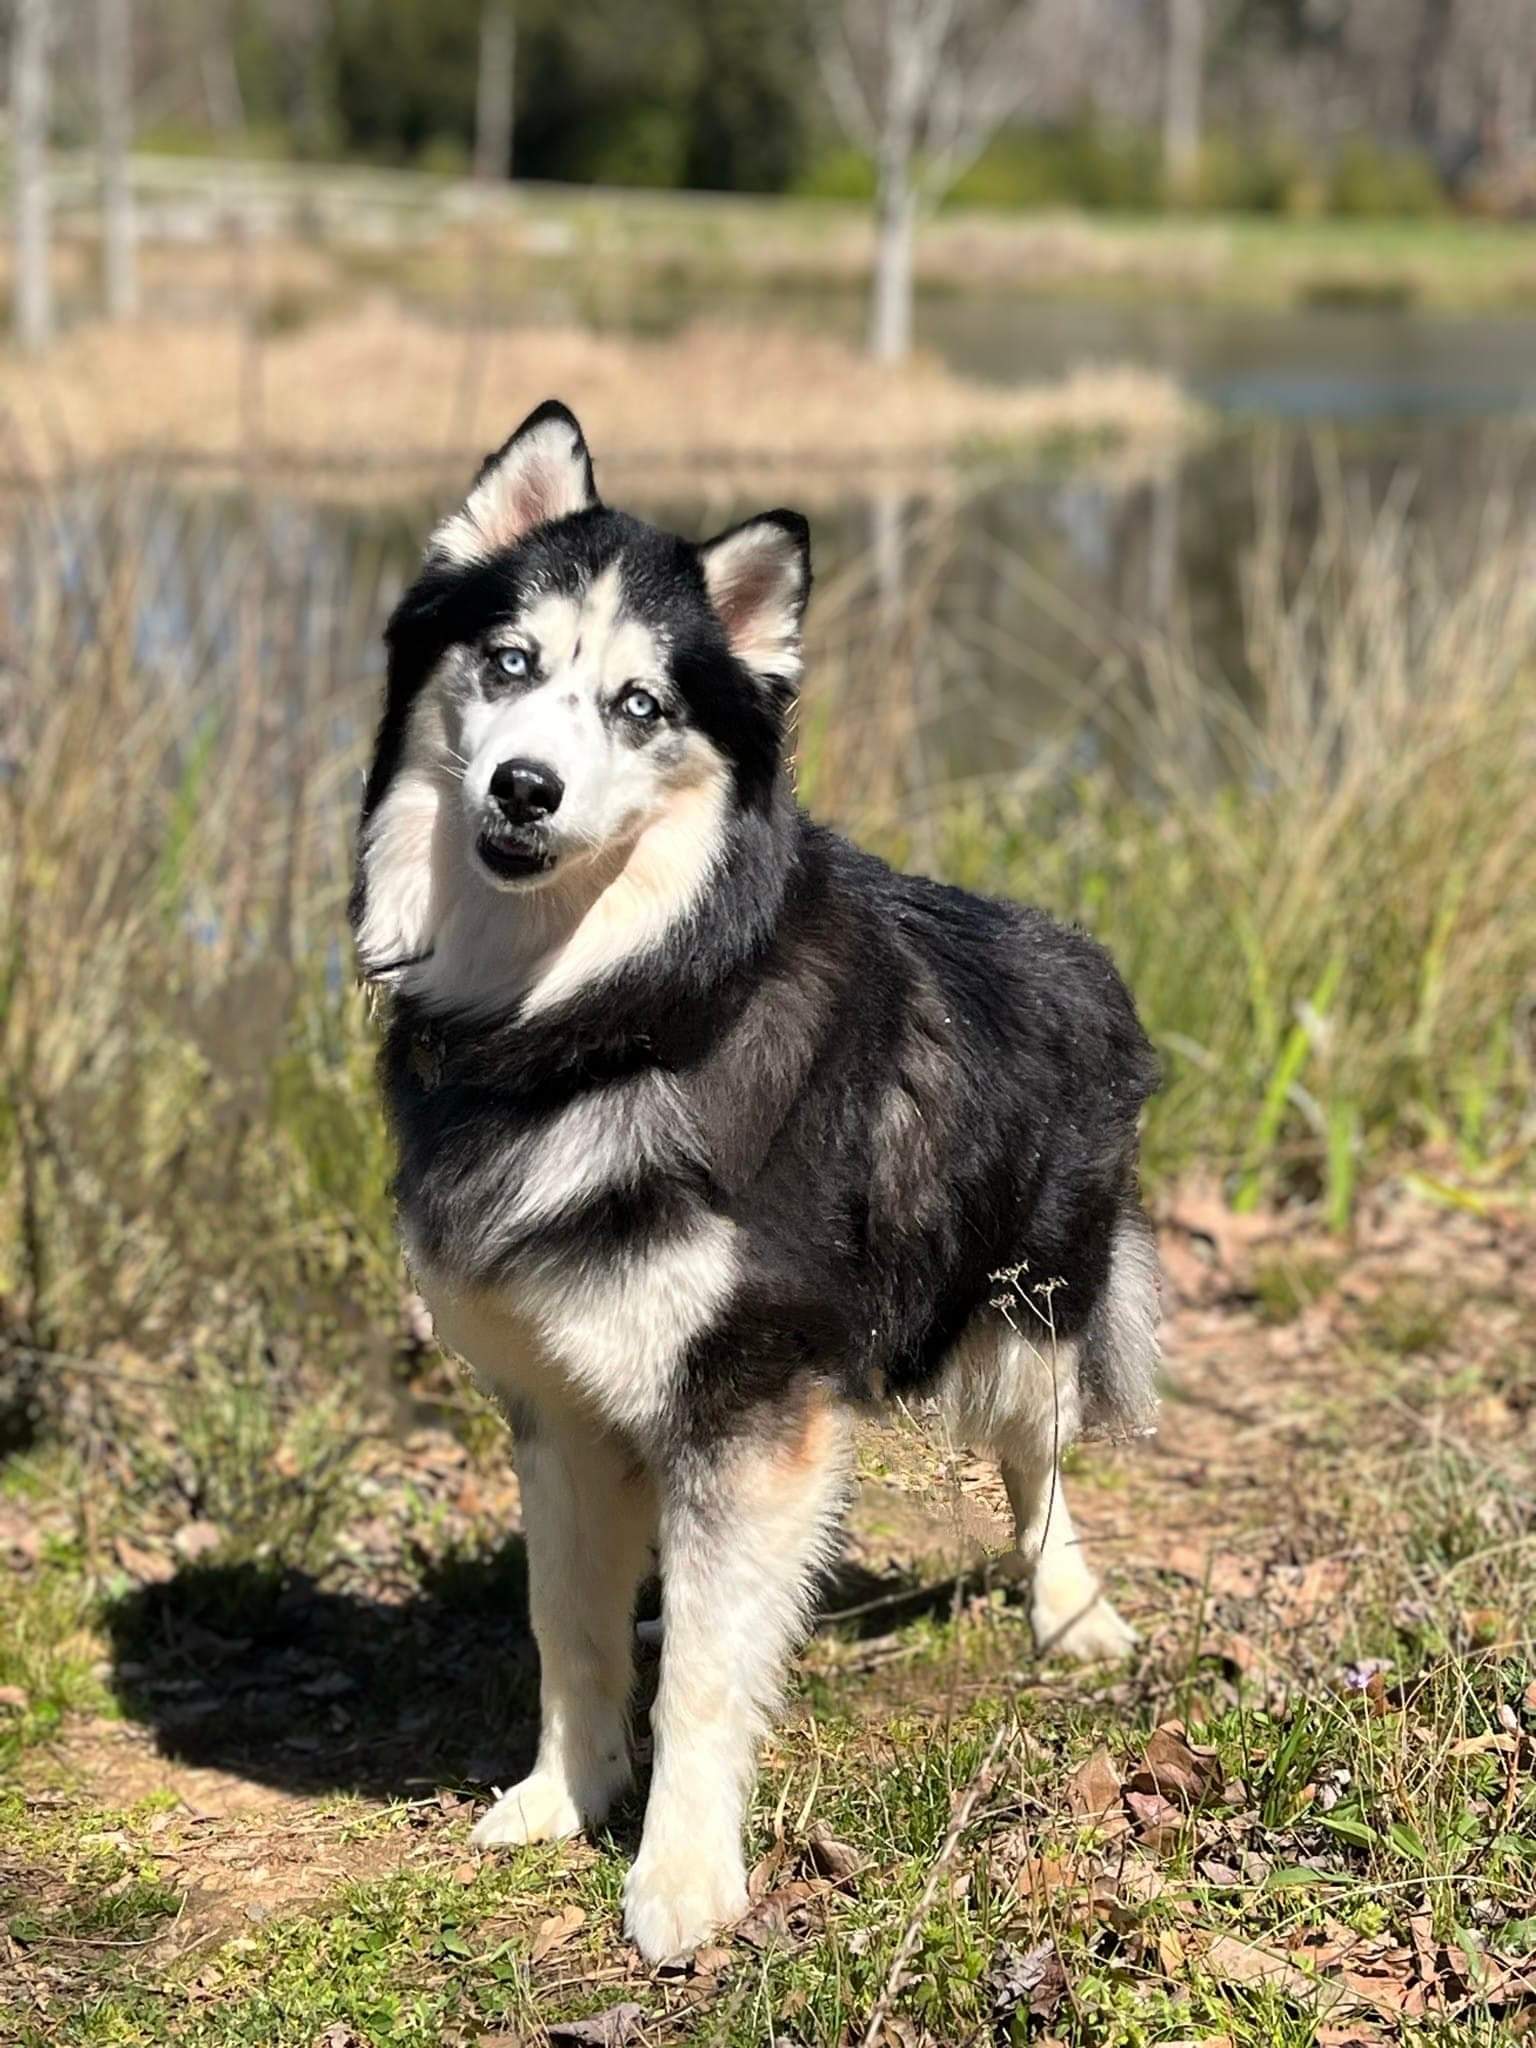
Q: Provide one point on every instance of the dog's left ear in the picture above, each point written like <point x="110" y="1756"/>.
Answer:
<point x="758" y="576"/>
<point x="541" y="473"/>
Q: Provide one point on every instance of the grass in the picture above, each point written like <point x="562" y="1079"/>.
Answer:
<point x="1363" y="1838"/>
<point x="627" y="252"/>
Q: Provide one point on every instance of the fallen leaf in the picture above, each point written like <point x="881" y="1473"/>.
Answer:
<point x="1027" y="1980"/>
<point x="760" y="1879"/>
<point x="1158" y="1821"/>
<point x="1479" y="1745"/>
<point x="1170" y="1953"/>
<point x="1229" y="1577"/>
<point x="339" y="2035"/>
<point x="1140" y="1879"/>
<point x="20" y="1543"/>
<point x="1039" y="1876"/>
<point x="196" y="1539"/>
<point x="1301" y="1592"/>
<point x="148" y="1567"/>
<point x="14" y="1698"/>
<point x="555" y="1931"/>
<point x="1173" y="1767"/>
<point x="836" y="1861"/>
<point x="1094" y="1787"/>
<point x="1231" y="1961"/>
<point x="608" y="2029"/>
<point x="767" y="1925"/>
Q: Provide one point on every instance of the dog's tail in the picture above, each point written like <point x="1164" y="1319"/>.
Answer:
<point x="1118" y="1368"/>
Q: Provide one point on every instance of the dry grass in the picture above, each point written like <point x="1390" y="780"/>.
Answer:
<point x="384" y="389"/>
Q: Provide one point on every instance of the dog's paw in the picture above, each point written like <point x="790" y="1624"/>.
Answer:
<point x="1087" y="1634"/>
<point x="673" y="1903"/>
<point x="540" y="1809"/>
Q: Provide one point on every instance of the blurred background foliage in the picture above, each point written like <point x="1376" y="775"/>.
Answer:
<point x="1312" y="107"/>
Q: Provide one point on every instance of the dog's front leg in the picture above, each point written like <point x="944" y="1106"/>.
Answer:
<point x="744" y="1531"/>
<point x="589" y="1519"/>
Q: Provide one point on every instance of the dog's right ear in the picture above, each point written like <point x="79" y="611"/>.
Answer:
<point x="541" y="474"/>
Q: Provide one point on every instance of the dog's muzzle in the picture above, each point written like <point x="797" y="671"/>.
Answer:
<point x="514" y="841"/>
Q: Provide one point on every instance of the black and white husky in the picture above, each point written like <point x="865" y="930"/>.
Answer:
<point x="711" y="1130"/>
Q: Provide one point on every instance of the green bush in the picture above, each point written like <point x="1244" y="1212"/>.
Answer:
<point x="1085" y="164"/>
<point x="643" y="145"/>
<point x="838" y="174"/>
<point x="1370" y="180"/>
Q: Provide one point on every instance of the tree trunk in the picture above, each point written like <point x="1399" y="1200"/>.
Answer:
<point x="114" y="98"/>
<point x="890" y="319"/>
<point x="29" y="171"/>
<point x="1183" y="79"/>
<point x="1426" y="67"/>
<point x="493" y="95"/>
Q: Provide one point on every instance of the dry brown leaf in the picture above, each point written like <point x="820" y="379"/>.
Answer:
<point x="1175" y="1768"/>
<point x="148" y="1567"/>
<point x="1300" y="1593"/>
<point x="1479" y="1745"/>
<point x="1139" y="1879"/>
<point x="1039" y="1876"/>
<point x="196" y="1539"/>
<point x="21" y="1545"/>
<point x="610" y="2029"/>
<point x="1386" y="1985"/>
<point x="1232" y="1961"/>
<point x="1094" y="1787"/>
<point x="760" y="1879"/>
<point x="767" y="1924"/>
<point x="1158" y="1822"/>
<point x="836" y="1861"/>
<point x="1231" y="1578"/>
<point x="555" y="1931"/>
<point x="1031" y="1980"/>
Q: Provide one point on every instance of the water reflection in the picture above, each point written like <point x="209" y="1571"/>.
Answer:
<point x="1009" y="605"/>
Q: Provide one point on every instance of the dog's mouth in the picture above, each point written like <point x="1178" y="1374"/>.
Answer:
<point x="513" y="856"/>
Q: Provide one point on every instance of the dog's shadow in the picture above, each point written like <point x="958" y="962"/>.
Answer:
<point x="260" y="1671"/>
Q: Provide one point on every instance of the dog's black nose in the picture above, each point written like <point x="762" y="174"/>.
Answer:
<point x="524" y="792"/>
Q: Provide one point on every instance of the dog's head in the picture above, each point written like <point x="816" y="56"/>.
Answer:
<point x="564" y="679"/>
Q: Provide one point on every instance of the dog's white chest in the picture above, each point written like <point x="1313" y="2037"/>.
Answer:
<point x="605" y="1332"/>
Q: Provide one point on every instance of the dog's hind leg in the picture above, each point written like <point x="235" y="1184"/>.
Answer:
<point x="1068" y="1613"/>
<point x="743" y="1536"/>
<point x="1021" y="1400"/>
<point x="589" y="1518"/>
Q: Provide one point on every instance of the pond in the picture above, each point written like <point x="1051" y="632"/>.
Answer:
<point x="1036" y="584"/>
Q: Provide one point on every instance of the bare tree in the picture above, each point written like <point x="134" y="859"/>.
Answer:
<point x="114" y="105"/>
<point x="923" y="85"/>
<point x="493" y="91"/>
<point x="1183" y="78"/>
<point x="29" y="171"/>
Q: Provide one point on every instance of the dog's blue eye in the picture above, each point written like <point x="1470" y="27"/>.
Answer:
<point x="511" y="661"/>
<point x="641" y="705"/>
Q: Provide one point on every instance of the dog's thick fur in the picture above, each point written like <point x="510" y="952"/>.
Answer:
<point x="711" y="1129"/>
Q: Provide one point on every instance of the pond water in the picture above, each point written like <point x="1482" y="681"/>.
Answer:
<point x="1038" y="581"/>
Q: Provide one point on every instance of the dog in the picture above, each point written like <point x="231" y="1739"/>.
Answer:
<point x="712" y="1129"/>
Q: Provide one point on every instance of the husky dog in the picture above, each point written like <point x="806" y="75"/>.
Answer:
<point x="712" y="1129"/>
